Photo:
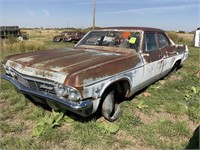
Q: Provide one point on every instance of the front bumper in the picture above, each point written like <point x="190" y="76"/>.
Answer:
<point x="83" y="108"/>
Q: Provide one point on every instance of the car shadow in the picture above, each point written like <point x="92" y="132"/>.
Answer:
<point x="70" y="114"/>
<point x="194" y="140"/>
<point x="43" y="105"/>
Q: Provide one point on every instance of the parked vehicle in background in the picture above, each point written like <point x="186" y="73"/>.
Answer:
<point x="23" y="36"/>
<point x="73" y="36"/>
<point x="68" y="36"/>
<point x="59" y="38"/>
<point x="9" y="31"/>
<point x="196" y="39"/>
<point x="104" y="66"/>
<point x="12" y="31"/>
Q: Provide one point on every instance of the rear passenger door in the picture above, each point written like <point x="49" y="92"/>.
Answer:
<point x="152" y="58"/>
<point x="168" y="52"/>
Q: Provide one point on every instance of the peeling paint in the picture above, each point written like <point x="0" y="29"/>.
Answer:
<point x="145" y="54"/>
<point x="26" y="59"/>
<point x="43" y="73"/>
<point x="53" y="76"/>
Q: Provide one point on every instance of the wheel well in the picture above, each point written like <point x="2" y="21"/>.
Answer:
<point x="175" y="67"/>
<point x="176" y="64"/>
<point x="121" y="87"/>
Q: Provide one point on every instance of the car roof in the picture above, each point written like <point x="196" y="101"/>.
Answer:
<point x="134" y="28"/>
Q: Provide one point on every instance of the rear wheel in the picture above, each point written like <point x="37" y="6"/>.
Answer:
<point x="174" y="68"/>
<point x="110" y="108"/>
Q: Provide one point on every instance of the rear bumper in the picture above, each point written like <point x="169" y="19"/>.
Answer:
<point x="83" y="108"/>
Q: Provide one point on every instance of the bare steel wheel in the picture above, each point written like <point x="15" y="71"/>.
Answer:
<point x="110" y="109"/>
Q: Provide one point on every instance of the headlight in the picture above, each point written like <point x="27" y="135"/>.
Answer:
<point x="62" y="90"/>
<point x="69" y="93"/>
<point x="73" y="95"/>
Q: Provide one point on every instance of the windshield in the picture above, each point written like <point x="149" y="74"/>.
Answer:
<point x="122" y="39"/>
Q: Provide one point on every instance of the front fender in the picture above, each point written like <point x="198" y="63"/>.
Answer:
<point x="96" y="90"/>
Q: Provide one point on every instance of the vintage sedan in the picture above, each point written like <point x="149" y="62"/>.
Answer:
<point x="103" y="67"/>
<point x="73" y="37"/>
<point x="68" y="36"/>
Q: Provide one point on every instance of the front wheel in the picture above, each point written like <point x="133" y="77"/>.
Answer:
<point x="110" y="108"/>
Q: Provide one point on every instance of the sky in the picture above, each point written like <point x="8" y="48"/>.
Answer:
<point x="164" y="14"/>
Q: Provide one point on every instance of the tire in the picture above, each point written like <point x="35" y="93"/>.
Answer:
<point x="174" y="68"/>
<point x="110" y="109"/>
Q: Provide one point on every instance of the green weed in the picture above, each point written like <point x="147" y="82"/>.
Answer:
<point x="141" y="105"/>
<point x="108" y="128"/>
<point x="48" y="122"/>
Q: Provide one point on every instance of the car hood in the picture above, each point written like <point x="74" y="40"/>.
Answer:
<point x="71" y="66"/>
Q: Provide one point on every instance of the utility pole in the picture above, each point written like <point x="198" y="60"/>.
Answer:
<point x="94" y="13"/>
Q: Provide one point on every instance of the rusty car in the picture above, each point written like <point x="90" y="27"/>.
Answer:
<point x="68" y="36"/>
<point x="73" y="36"/>
<point x="104" y="66"/>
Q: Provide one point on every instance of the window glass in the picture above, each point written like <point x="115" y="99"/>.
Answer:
<point x="121" y="39"/>
<point x="150" y="43"/>
<point x="163" y="42"/>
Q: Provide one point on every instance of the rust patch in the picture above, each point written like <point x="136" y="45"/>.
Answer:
<point x="151" y="56"/>
<point x="181" y="49"/>
<point x="43" y="73"/>
<point x="101" y="70"/>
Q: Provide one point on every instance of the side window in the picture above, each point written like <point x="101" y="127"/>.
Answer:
<point x="150" y="43"/>
<point x="163" y="42"/>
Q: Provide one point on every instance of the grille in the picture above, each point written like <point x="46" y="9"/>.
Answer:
<point x="22" y="80"/>
<point x="35" y="85"/>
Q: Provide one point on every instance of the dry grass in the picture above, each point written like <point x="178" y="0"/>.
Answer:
<point x="10" y="46"/>
<point x="47" y="33"/>
<point x="188" y="36"/>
